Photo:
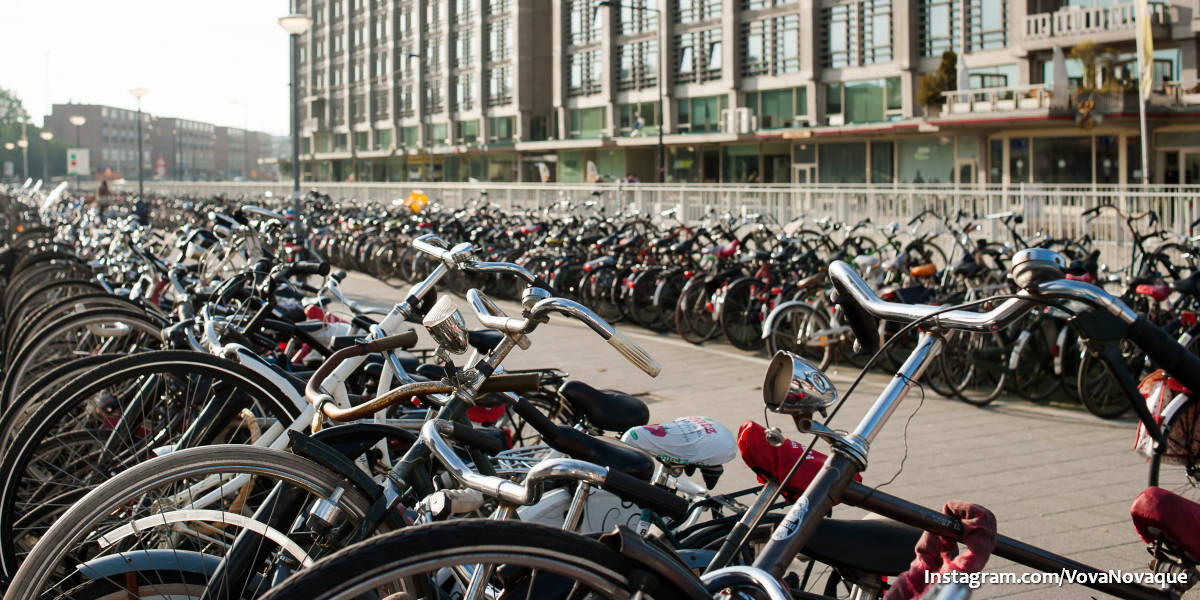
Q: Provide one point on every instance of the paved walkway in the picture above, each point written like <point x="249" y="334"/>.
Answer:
<point x="1056" y="478"/>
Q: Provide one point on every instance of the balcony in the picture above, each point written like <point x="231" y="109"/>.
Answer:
<point x="313" y="124"/>
<point x="1102" y="24"/>
<point x="1015" y="98"/>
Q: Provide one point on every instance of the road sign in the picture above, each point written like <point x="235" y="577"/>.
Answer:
<point x="77" y="161"/>
<point x="160" y="167"/>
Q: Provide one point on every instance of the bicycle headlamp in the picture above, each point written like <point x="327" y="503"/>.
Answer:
<point x="794" y="386"/>
<point x="447" y="326"/>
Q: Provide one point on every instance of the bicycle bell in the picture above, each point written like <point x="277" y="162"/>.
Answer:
<point x="1032" y="266"/>
<point x="447" y="326"/>
<point x="794" y="386"/>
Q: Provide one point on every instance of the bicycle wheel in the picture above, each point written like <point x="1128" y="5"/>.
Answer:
<point x="976" y="365"/>
<point x="639" y="300"/>
<point x="598" y="291"/>
<point x="666" y="296"/>
<point x="742" y="313"/>
<point x="166" y="524"/>
<point x="1033" y="375"/>
<point x="18" y="412"/>
<point x="1099" y="390"/>
<point x="510" y="559"/>
<point x="1179" y="470"/>
<point x="130" y="409"/>
<point x="693" y="317"/>
<point x="802" y="330"/>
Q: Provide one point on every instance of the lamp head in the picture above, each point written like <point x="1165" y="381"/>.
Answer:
<point x="138" y="92"/>
<point x="23" y="143"/>
<point x="77" y="120"/>
<point x="295" y="24"/>
<point x="46" y="135"/>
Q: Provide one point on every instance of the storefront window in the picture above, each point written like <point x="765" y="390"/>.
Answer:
<point x="1062" y="159"/>
<point x="1133" y="160"/>
<point x="500" y="167"/>
<point x="804" y="153"/>
<point x="741" y="163"/>
<point x="925" y="160"/>
<point x="570" y="167"/>
<point x="1018" y="160"/>
<point x="1107" y="159"/>
<point x="682" y="166"/>
<point x="611" y="164"/>
<point x="776" y="163"/>
<point x="843" y="162"/>
<point x="882" y="158"/>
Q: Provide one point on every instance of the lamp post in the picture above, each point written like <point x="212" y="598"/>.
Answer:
<point x="296" y="25"/>
<point x="662" y="78"/>
<point x="138" y="93"/>
<point x="46" y="137"/>
<point x="23" y="144"/>
<point x="9" y="146"/>
<point x="78" y="121"/>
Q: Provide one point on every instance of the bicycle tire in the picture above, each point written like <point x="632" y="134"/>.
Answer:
<point x="741" y="315"/>
<point x="1099" y="390"/>
<point x="94" y="512"/>
<point x="60" y="413"/>
<point x="792" y="330"/>
<point x="405" y="554"/>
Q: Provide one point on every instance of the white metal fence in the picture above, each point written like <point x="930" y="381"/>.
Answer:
<point x="1054" y="210"/>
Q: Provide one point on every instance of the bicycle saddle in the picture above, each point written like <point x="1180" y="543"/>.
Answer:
<point x="969" y="269"/>
<point x="689" y="441"/>
<point x="609" y="410"/>
<point x="484" y="340"/>
<point x="1158" y="512"/>
<point x="1187" y="286"/>
<point x="872" y="545"/>
<point x="602" y="451"/>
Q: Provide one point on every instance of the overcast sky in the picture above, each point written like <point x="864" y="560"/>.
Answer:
<point x="197" y="58"/>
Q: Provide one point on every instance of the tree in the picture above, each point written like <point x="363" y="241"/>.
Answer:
<point x="12" y="111"/>
<point x="931" y="85"/>
<point x="1093" y="55"/>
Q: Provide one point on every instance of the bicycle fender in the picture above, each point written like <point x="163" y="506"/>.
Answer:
<point x="773" y="316"/>
<point x="1173" y="407"/>
<point x="663" y="565"/>
<point x="112" y="566"/>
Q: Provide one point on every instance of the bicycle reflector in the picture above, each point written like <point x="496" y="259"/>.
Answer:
<point x="1032" y="266"/>
<point x="794" y="386"/>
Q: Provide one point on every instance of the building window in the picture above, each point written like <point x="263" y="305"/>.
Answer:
<point x="500" y="85"/>
<point x="761" y="4"/>
<point x="699" y="55"/>
<point x="771" y="46"/>
<point x="498" y="46"/>
<point x="383" y="139"/>
<point x="361" y="141"/>
<point x="379" y="105"/>
<point x="858" y="33"/>
<point x="586" y="123"/>
<point x="696" y="115"/>
<point x="883" y="155"/>
<point x="584" y="22"/>
<point x="437" y="134"/>
<point x="409" y="135"/>
<point x="690" y="11"/>
<point x="638" y="16"/>
<point x="637" y="119"/>
<point x="988" y="25"/>
<point x="462" y="11"/>
<point x="464" y="86"/>
<point x="433" y="97"/>
<point x="464" y="48"/>
<point x="500" y="129"/>
<point x="939" y="26"/>
<point x="864" y="101"/>
<point x="637" y="65"/>
<point x="584" y="73"/>
<point x="466" y="132"/>
<point x="778" y="108"/>
<point x="499" y="7"/>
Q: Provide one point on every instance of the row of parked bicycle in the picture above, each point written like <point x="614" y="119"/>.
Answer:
<point x="762" y="285"/>
<point x="165" y="434"/>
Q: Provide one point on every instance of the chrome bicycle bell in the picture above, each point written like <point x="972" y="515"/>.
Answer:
<point x="447" y="326"/>
<point x="794" y="386"/>
<point x="1032" y="266"/>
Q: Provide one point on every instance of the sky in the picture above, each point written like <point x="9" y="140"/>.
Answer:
<point x="220" y="61"/>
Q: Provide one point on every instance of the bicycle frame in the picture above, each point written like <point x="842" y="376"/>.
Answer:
<point x="835" y="482"/>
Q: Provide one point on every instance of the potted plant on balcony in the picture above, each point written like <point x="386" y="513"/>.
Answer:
<point x="931" y="86"/>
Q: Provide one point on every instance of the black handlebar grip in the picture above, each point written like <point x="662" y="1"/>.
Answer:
<point x="545" y="285"/>
<point x="861" y="322"/>
<point x="467" y="435"/>
<point x="404" y="339"/>
<point x="511" y="382"/>
<point x="1165" y="352"/>
<point x="646" y="495"/>
<point x="309" y="268"/>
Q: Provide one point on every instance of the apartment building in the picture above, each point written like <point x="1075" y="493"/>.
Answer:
<point x="191" y="150"/>
<point x="822" y="91"/>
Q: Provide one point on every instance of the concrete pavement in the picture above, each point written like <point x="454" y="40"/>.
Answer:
<point x="1056" y="478"/>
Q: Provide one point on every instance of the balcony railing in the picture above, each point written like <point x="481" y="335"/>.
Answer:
<point x="999" y="99"/>
<point x="1080" y="21"/>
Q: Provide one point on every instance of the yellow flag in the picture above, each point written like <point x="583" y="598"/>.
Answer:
<point x="1145" y="40"/>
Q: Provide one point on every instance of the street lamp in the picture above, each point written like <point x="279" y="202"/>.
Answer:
<point x="138" y="93"/>
<point x="662" y="78"/>
<point x="78" y="121"/>
<point x="296" y="25"/>
<point x="23" y="144"/>
<point x="46" y="137"/>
